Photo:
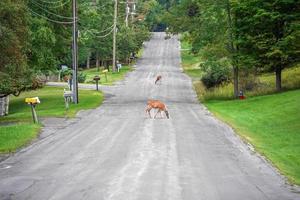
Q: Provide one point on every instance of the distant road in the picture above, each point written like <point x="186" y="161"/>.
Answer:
<point x="116" y="152"/>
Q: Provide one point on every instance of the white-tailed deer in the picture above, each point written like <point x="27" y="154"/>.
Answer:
<point x="158" y="78"/>
<point x="156" y="104"/>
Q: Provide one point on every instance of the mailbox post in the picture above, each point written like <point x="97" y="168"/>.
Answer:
<point x="97" y="78"/>
<point x="33" y="102"/>
<point x="105" y="73"/>
<point x="68" y="98"/>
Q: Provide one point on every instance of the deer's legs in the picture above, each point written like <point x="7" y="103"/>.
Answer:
<point x="148" y="109"/>
<point x="158" y="111"/>
<point x="160" y="114"/>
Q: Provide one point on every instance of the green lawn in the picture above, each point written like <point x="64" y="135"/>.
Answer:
<point x="17" y="129"/>
<point x="190" y="62"/>
<point x="112" y="77"/>
<point x="271" y="123"/>
<point x="264" y="83"/>
<point x="17" y="135"/>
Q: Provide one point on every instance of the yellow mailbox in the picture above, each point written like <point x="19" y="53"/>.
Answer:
<point x="33" y="100"/>
<point x="105" y="73"/>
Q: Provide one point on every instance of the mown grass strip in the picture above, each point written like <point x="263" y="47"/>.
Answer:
<point x="17" y="128"/>
<point x="14" y="136"/>
<point x="271" y="124"/>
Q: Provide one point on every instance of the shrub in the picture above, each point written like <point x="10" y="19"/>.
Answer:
<point x="215" y="73"/>
<point x="81" y="77"/>
<point x="248" y="80"/>
<point x="66" y="74"/>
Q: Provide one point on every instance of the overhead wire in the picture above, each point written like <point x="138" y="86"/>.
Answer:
<point x="103" y="36"/>
<point x="60" y="4"/>
<point x="106" y="29"/>
<point x="49" y="12"/>
<point x="100" y="36"/>
<point x="53" y="2"/>
<point x="51" y="20"/>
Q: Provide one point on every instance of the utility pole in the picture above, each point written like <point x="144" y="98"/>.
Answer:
<point x="127" y="13"/>
<point x="74" y="53"/>
<point x="114" y="36"/>
<point x="132" y="11"/>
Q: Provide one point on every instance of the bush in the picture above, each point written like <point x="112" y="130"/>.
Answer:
<point x="248" y="80"/>
<point x="81" y="77"/>
<point x="66" y="74"/>
<point x="215" y="73"/>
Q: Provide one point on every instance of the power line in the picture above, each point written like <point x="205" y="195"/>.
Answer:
<point x="48" y="19"/>
<point x="104" y="36"/>
<point x="106" y="29"/>
<point x="97" y="7"/>
<point x="49" y="12"/>
<point x="53" y="2"/>
<point x="101" y="36"/>
<point x="59" y="4"/>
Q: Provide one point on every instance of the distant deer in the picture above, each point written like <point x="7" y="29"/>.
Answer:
<point x="156" y="104"/>
<point x="158" y="78"/>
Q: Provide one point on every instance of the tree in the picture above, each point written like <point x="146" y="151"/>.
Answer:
<point x="208" y="23"/>
<point x="50" y="36"/>
<point x="14" y="73"/>
<point x="269" y="34"/>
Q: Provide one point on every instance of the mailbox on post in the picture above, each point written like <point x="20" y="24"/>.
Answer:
<point x="97" y="79"/>
<point x="105" y="73"/>
<point x="68" y="97"/>
<point x="33" y="102"/>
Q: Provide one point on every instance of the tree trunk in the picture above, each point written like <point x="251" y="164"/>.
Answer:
<point x="2" y="111"/>
<point x="278" y="78"/>
<point x="4" y="105"/>
<point x="97" y="61"/>
<point x="232" y="50"/>
<point x="88" y="60"/>
<point x="236" y="81"/>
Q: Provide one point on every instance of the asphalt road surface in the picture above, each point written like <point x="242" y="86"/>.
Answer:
<point x="116" y="152"/>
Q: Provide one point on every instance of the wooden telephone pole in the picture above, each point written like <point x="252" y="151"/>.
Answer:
<point x="114" y="36"/>
<point x="75" y="53"/>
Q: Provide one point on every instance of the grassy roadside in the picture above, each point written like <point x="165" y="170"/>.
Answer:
<point x="17" y="128"/>
<point x="190" y="63"/>
<point x="263" y="84"/>
<point x="112" y="77"/>
<point x="271" y="124"/>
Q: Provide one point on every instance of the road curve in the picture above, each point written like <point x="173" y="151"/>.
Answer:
<point x="116" y="152"/>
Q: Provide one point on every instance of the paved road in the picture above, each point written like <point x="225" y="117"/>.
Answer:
<point x="116" y="153"/>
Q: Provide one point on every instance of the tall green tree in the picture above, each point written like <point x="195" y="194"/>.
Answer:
<point x="269" y="34"/>
<point x="14" y="73"/>
<point x="210" y="27"/>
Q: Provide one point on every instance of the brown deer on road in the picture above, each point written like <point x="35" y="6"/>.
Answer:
<point x="158" y="78"/>
<point x="156" y="104"/>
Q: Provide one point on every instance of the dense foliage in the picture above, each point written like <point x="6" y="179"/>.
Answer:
<point x="36" y="37"/>
<point x="257" y="35"/>
<point x="14" y="73"/>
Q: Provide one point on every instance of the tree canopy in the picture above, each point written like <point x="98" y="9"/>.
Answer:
<point x="36" y="37"/>
<point x="260" y="35"/>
